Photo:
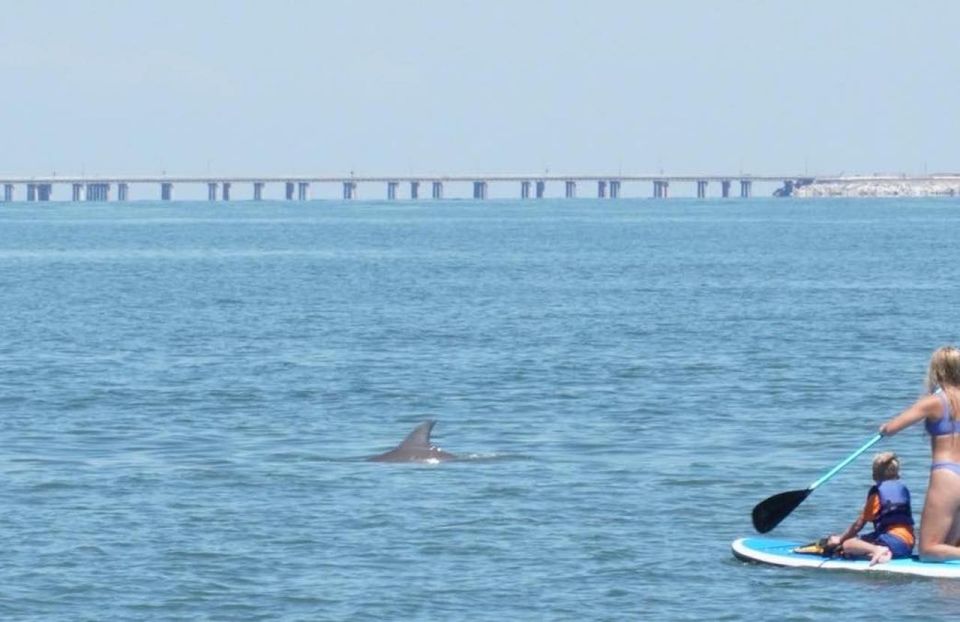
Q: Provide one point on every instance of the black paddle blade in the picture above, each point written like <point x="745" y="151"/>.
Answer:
<point x="768" y="513"/>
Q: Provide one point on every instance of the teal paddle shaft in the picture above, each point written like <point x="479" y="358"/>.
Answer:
<point x="768" y="513"/>
<point x="873" y="441"/>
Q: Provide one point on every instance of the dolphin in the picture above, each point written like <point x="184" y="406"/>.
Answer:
<point x="416" y="448"/>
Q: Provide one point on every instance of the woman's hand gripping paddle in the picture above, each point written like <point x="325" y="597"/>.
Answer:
<point x="768" y="513"/>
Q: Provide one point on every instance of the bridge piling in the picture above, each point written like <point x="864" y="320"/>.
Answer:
<point x="98" y="192"/>
<point x="480" y="190"/>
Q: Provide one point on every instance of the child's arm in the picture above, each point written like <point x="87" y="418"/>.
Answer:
<point x="852" y="530"/>
<point x="870" y="510"/>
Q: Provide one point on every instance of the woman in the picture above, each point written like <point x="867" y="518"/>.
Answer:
<point x="940" y="412"/>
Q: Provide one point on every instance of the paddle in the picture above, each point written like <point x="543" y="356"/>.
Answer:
<point x="768" y="513"/>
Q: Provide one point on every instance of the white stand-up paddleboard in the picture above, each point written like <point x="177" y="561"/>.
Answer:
<point x="781" y="553"/>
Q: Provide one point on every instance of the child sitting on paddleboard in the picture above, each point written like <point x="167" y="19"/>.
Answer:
<point x="888" y="507"/>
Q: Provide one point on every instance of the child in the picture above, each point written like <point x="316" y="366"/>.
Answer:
<point x="888" y="506"/>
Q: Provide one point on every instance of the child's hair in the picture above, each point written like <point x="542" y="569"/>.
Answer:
<point x="886" y="465"/>
<point x="944" y="369"/>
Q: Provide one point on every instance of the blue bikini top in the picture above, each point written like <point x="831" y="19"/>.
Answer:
<point x="946" y="425"/>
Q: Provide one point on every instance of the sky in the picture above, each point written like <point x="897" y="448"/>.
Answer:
<point x="459" y="87"/>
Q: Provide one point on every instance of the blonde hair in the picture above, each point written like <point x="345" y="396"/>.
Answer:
<point x="886" y="465"/>
<point x="944" y="369"/>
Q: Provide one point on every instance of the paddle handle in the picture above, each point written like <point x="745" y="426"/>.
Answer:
<point x="873" y="441"/>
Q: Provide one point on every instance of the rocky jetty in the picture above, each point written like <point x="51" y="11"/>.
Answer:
<point x="932" y="186"/>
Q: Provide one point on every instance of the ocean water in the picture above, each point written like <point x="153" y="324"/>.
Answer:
<point x="188" y="390"/>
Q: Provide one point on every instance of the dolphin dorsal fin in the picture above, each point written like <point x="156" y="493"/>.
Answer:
<point x="419" y="438"/>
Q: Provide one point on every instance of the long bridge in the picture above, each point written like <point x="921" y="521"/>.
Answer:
<point x="297" y="187"/>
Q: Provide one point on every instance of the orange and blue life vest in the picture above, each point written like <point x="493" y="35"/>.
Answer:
<point x="888" y="506"/>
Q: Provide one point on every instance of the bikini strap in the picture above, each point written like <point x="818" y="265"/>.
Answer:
<point x="947" y="423"/>
<point x="945" y="403"/>
<point x="944" y="424"/>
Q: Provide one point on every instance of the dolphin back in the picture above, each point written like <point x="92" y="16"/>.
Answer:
<point x="415" y="447"/>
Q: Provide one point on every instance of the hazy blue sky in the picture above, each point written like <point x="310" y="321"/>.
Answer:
<point x="454" y="86"/>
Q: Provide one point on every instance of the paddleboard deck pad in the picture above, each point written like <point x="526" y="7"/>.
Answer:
<point x="781" y="553"/>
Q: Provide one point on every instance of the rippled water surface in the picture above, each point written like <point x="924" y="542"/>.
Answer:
<point x="187" y="391"/>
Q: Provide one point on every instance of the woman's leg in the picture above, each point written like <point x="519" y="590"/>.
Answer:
<point x="953" y="537"/>
<point x="938" y="522"/>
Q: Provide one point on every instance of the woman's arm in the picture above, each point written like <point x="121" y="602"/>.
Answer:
<point x="925" y="407"/>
